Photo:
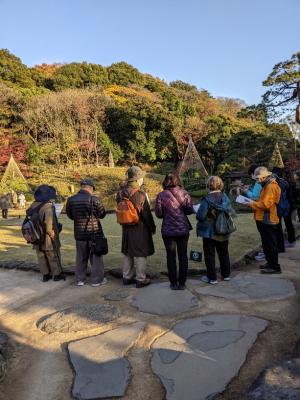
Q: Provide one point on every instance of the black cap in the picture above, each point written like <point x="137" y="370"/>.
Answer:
<point x="87" y="182"/>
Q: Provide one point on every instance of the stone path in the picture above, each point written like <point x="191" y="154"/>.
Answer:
<point x="101" y="367"/>
<point x="199" y="356"/>
<point x="245" y="286"/>
<point x="159" y="299"/>
<point x="152" y="343"/>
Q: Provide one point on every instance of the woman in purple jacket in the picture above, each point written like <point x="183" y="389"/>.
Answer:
<point x="173" y="205"/>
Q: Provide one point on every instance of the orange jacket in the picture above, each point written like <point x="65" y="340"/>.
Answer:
<point x="265" y="208"/>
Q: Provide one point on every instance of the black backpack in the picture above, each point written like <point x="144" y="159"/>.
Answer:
<point x="224" y="224"/>
<point x="32" y="230"/>
<point x="283" y="207"/>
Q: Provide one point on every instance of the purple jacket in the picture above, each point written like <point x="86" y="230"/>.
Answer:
<point x="173" y="205"/>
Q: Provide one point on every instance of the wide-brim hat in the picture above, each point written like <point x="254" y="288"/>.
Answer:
<point x="45" y="193"/>
<point x="134" y="173"/>
<point x="88" y="182"/>
<point x="261" y="172"/>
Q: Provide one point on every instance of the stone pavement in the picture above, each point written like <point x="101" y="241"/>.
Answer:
<point x="162" y="344"/>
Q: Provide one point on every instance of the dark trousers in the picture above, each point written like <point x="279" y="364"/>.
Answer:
<point x="290" y="227"/>
<point x="171" y="244"/>
<point x="83" y="256"/>
<point x="269" y="238"/>
<point x="4" y="213"/>
<point x="210" y="247"/>
<point x="280" y="237"/>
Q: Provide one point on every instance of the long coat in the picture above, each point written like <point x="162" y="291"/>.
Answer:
<point x="137" y="239"/>
<point x="48" y="223"/>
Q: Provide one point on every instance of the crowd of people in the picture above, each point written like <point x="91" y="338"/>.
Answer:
<point x="271" y="198"/>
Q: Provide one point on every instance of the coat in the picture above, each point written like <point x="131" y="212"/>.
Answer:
<point x="5" y="203"/>
<point x="48" y="223"/>
<point x="265" y="209"/>
<point x="207" y="213"/>
<point x="137" y="239"/>
<point x="173" y="205"/>
<point x="78" y="209"/>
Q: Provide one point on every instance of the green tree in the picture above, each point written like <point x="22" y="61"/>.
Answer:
<point x="283" y="85"/>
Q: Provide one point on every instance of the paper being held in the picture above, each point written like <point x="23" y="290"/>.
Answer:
<point x="242" y="199"/>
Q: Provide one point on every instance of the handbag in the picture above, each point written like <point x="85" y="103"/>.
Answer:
<point x="99" y="245"/>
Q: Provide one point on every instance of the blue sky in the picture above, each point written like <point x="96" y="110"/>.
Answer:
<point x="225" y="46"/>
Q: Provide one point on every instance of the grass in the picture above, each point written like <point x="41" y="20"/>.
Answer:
<point x="13" y="246"/>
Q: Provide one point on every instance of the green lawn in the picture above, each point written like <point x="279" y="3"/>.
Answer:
<point x="13" y="246"/>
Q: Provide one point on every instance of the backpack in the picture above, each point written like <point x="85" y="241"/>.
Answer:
<point x="126" y="211"/>
<point x="283" y="207"/>
<point x="31" y="228"/>
<point x="224" y="224"/>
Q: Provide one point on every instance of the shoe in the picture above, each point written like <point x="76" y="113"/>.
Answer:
<point x="60" y="277"/>
<point x="205" y="279"/>
<point x="271" y="271"/>
<point x="80" y="283"/>
<point x="290" y="245"/>
<point x="264" y="266"/>
<point x="141" y="284"/>
<point x="227" y="279"/>
<point x="104" y="282"/>
<point x="46" y="278"/>
<point x="128" y="281"/>
<point x="181" y="286"/>
<point x="260" y="257"/>
<point x="173" y="286"/>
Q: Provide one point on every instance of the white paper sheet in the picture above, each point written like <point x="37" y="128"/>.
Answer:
<point x="196" y="207"/>
<point x="242" y="199"/>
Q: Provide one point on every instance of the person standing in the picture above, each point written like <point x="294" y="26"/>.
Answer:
<point x="267" y="220"/>
<point x="137" y="241"/>
<point x="214" y="202"/>
<point x="22" y="200"/>
<point x="85" y="210"/>
<point x="42" y="213"/>
<point x="5" y="204"/>
<point x="173" y="205"/>
<point x="296" y="193"/>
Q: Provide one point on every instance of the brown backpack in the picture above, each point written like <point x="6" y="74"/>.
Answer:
<point x="126" y="211"/>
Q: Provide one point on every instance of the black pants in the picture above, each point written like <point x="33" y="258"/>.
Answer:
<point x="210" y="247"/>
<point x="171" y="243"/>
<point x="290" y="227"/>
<point x="269" y="238"/>
<point x="4" y="213"/>
<point x="280" y="237"/>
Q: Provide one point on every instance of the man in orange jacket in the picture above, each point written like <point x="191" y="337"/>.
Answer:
<point x="267" y="221"/>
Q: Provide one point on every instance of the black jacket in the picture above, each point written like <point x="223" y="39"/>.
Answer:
<point x="78" y="209"/>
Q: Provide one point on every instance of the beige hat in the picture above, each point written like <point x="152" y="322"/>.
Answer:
<point x="261" y="172"/>
<point x="134" y="173"/>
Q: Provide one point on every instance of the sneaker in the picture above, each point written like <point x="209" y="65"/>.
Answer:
<point x="141" y="284"/>
<point x="260" y="257"/>
<point x="181" y="286"/>
<point x="80" y="283"/>
<point x="264" y="266"/>
<point x="128" y="281"/>
<point x="290" y="245"/>
<point x="104" y="282"/>
<point x="271" y="271"/>
<point x="226" y="279"/>
<point x="173" y="286"/>
<point x="205" y="279"/>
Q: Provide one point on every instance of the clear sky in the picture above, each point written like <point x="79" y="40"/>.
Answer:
<point x="225" y="46"/>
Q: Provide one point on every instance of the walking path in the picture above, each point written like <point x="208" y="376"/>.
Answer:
<point x="205" y="342"/>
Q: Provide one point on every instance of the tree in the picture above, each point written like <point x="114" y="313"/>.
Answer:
<point x="124" y="74"/>
<point x="284" y="87"/>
